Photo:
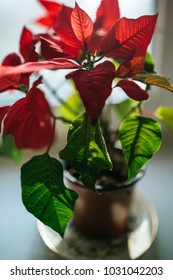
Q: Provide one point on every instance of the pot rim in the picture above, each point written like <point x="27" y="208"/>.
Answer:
<point x="99" y="188"/>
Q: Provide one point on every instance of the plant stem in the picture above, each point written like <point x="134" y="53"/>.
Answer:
<point x="140" y="107"/>
<point x="62" y="119"/>
<point x="100" y="58"/>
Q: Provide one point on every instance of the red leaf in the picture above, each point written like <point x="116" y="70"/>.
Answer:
<point x="94" y="86"/>
<point x="82" y="25"/>
<point x="24" y="80"/>
<point x="27" y="46"/>
<point x="3" y="111"/>
<point x="9" y="82"/>
<point x="64" y="29"/>
<point x="130" y="68"/>
<point x="50" y="48"/>
<point x="47" y="20"/>
<point x="129" y="37"/>
<point x="133" y="90"/>
<point x="29" y="121"/>
<point x="107" y="13"/>
<point x="12" y="59"/>
<point x="59" y="63"/>
<point x="53" y="9"/>
<point x="12" y="80"/>
<point x="69" y="50"/>
<point x="50" y="6"/>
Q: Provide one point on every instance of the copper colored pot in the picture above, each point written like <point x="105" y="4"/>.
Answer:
<point x="105" y="213"/>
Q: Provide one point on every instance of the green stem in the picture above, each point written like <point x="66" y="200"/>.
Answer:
<point x="100" y="58"/>
<point x="62" y="119"/>
<point x="140" y="107"/>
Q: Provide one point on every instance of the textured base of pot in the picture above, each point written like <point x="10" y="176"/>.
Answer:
<point x="142" y="230"/>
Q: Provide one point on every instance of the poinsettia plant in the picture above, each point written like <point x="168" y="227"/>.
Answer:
<point x="101" y="57"/>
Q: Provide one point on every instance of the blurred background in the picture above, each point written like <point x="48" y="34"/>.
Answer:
<point x="19" y="238"/>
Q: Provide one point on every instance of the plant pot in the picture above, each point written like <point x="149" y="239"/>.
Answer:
<point x="104" y="214"/>
<point x="116" y="223"/>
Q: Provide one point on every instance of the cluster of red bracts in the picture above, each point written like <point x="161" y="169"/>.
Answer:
<point x="73" y="41"/>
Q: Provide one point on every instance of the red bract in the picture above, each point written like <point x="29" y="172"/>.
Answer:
<point x="52" y="11"/>
<point x="50" y="47"/>
<point x="27" y="50"/>
<point x="94" y="86"/>
<point x="120" y="39"/>
<point x="129" y="37"/>
<point x="29" y="121"/>
<point x="12" y="59"/>
<point x="133" y="90"/>
<point x="77" y="38"/>
<point x="59" y="63"/>
<point x="27" y="46"/>
<point x="82" y="25"/>
<point x="13" y="80"/>
<point x="107" y="14"/>
<point x="9" y="82"/>
<point x="75" y="28"/>
<point x="130" y="68"/>
<point x="66" y="33"/>
<point x="77" y="31"/>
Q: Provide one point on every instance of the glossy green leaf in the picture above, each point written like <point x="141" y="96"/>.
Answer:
<point x="154" y="80"/>
<point x="99" y="139"/>
<point x="165" y="114"/>
<point x="8" y="149"/>
<point x="83" y="153"/>
<point x="140" y="138"/>
<point x="44" y="193"/>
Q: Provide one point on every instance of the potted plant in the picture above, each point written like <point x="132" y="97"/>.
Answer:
<point x="107" y="144"/>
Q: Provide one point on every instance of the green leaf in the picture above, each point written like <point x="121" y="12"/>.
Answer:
<point x="140" y="138"/>
<point x="44" y="193"/>
<point x="102" y="145"/>
<point x="8" y="149"/>
<point x="83" y="153"/>
<point x="165" y="114"/>
<point x="154" y="80"/>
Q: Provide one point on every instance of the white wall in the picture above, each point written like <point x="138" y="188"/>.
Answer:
<point x="165" y="38"/>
